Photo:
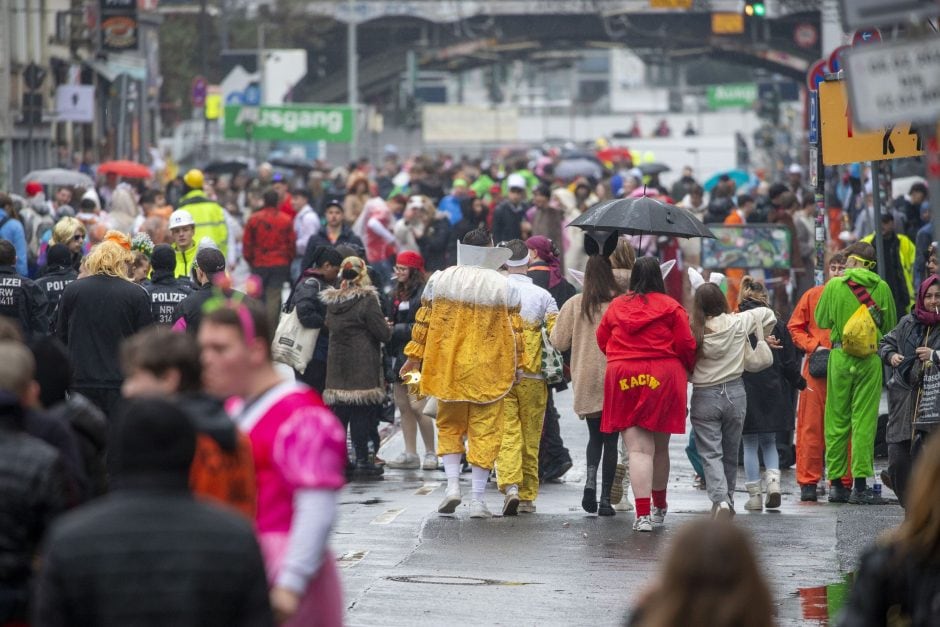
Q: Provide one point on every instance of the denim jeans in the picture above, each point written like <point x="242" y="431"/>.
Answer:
<point x="717" y="416"/>
<point x="767" y="443"/>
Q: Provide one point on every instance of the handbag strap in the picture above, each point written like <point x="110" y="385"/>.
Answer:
<point x="862" y="294"/>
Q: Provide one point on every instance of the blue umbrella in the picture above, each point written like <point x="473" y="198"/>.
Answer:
<point x="740" y="178"/>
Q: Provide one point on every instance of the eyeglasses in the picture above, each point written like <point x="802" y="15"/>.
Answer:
<point x="78" y="237"/>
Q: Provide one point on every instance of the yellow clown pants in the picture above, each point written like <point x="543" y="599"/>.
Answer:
<point x="482" y="425"/>
<point x="518" y="460"/>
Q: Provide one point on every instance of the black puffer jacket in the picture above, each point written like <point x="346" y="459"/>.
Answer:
<point x="32" y="492"/>
<point x="150" y="554"/>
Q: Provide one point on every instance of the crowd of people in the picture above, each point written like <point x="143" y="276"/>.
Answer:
<point x="438" y="294"/>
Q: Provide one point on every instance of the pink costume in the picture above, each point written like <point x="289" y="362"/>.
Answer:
<point x="299" y="449"/>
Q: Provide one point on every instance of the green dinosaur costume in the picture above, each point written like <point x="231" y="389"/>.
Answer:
<point x="853" y="384"/>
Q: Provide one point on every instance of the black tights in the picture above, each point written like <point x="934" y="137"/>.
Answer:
<point x="599" y="444"/>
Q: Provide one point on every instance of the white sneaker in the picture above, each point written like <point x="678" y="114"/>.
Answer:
<point x="450" y="502"/>
<point x="624" y="505"/>
<point x="643" y="523"/>
<point x="526" y="507"/>
<point x="478" y="509"/>
<point x="722" y="511"/>
<point x="658" y="515"/>
<point x="405" y="461"/>
<point x="430" y="462"/>
<point x="511" y="502"/>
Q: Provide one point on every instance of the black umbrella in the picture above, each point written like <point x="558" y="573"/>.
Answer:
<point x="642" y="216"/>
<point x="653" y="168"/>
<point x="294" y="163"/>
<point x="225" y="167"/>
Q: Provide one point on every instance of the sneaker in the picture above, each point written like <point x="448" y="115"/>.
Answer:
<point x="809" y="493"/>
<point x="838" y="493"/>
<point x="722" y="511"/>
<point x="450" y="502"/>
<point x="698" y="482"/>
<point x="616" y="490"/>
<point x="405" y="461"/>
<point x="430" y="462"/>
<point x="511" y="502"/>
<point x="658" y="515"/>
<point x="478" y="509"/>
<point x="867" y="497"/>
<point x="624" y="505"/>
<point x="643" y="523"/>
<point x="526" y="507"/>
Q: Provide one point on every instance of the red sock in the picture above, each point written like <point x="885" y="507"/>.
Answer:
<point x="642" y="507"/>
<point x="659" y="498"/>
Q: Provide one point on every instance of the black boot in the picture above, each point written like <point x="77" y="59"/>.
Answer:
<point x="589" y="500"/>
<point x="366" y="469"/>
<point x="605" y="508"/>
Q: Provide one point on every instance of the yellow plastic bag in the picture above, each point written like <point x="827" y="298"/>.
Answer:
<point x="860" y="335"/>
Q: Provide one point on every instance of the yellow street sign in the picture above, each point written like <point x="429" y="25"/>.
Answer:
<point x="727" y="23"/>
<point x="213" y="106"/>
<point x="670" y="4"/>
<point x="841" y="143"/>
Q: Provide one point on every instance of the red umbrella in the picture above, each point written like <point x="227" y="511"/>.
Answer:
<point x="125" y="169"/>
<point x="607" y="155"/>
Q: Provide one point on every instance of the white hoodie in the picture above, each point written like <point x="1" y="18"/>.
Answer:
<point x="722" y="357"/>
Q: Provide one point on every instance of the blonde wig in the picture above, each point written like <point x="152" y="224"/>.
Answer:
<point x="111" y="257"/>
<point x="66" y="228"/>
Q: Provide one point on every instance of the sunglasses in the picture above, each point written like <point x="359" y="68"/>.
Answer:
<point x="78" y="237"/>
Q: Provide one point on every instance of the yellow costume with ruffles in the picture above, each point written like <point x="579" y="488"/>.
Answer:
<point x="468" y="338"/>
<point x="524" y="407"/>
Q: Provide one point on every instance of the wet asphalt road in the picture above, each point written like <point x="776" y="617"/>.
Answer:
<point x="403" y="564"/>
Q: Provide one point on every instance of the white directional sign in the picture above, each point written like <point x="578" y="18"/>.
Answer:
<point x="864" y="13"/>
<point x="75" y="103"/>
<point x="896" y="82"/>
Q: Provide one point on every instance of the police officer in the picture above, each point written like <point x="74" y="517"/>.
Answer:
<point x="166" y="290"/>
<point x="21" y="299"/>
<point x="57" y="274"/>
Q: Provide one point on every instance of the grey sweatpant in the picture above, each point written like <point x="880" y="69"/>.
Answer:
<point x="717" y="415"/>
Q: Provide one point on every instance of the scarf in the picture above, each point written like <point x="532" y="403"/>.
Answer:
<point x="923" y="315"/>
<point x="354" y="273"/>
<point x="543" y="246"/>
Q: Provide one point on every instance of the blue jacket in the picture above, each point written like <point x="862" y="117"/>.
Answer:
<point x="12" y="231"/>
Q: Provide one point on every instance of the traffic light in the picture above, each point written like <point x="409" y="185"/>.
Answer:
<point x="755" y="9"/>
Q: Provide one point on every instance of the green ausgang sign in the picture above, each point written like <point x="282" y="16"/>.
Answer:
<point x="303" y="123"/>
<point x="733" y="95"/>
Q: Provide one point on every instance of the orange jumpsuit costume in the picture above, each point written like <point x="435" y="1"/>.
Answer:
<point x="811" y="408"/>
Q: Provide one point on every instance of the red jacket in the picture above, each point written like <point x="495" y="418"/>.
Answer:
<point x="269" y="239"/>
<point x="649" y="326"/>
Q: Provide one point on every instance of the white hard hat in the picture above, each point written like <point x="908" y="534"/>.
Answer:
<point x="181" y="218"/>
<point x="516" y="181"/>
